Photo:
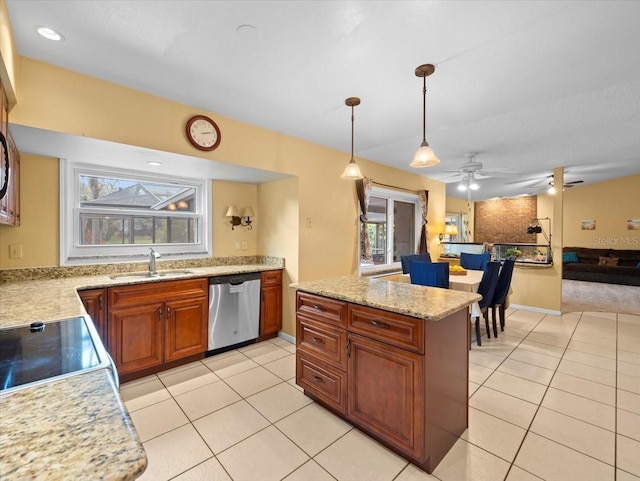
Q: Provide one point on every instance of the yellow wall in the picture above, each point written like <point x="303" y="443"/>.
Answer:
<point x="225" y="239"/>
<point x="39" y="215"/>
<point x="55" y="99"/>
<point x="610" y="204"/>
<point x="279" y="226"/>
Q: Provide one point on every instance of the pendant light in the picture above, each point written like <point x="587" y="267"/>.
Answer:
<point x="352" y="171"/>
<point x="424" y="156"/>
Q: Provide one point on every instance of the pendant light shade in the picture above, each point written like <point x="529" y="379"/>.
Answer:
<point x="352" y="171"/>
<point x="424" y="156"/>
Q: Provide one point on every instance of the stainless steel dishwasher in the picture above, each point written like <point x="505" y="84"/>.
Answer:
<point x="234" y="310"/>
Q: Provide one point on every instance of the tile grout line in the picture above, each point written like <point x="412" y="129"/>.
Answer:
<point x="541" y="399"/>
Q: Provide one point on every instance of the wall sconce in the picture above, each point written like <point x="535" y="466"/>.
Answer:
<point x="238" y="219"/>
<point x="451" y="230"/>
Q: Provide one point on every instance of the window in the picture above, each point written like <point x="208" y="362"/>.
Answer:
<point x="393" y="227"/>
<point x="115" y="215"/>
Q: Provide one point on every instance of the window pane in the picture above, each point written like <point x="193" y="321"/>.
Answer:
<point x="404" y="229"/>
<point x="110" y="193"/>
<point x="181" y="230"/>
<point x="377" y="229"/>
<point x="102" y="229"/>
<point x="99" y="230"/>
<point x="143" y="230"/>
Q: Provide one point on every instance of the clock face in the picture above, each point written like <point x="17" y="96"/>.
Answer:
<point x="203" y="133"/>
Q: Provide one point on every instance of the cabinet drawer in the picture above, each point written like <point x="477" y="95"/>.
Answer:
<point x="138" y="294"/>
<point x="395" y="329"/>
<point x="321" y="308"/>
<point x="326" y="382"/>
<point x="271" y="278"/>
<point x="324" y="341"/>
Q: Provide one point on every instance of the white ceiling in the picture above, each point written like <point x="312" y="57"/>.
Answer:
<point x="528" y="85"/>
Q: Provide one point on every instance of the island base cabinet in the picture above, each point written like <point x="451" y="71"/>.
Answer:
<point x="386" y="393"/>
<point x="404" y="382"/>
<point x="135" y="337"/>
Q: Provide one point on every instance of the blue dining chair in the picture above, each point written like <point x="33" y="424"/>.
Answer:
<point x="476" y="262"/>
<point x="404" y="260"/>
<point x="502" y="290"/>
<point x="434" y="274"/>
<point x="487" y="289"/>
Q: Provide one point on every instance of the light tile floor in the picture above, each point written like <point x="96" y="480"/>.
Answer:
<point x="554" y="398"/>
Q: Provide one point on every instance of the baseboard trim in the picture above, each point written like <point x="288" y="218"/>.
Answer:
<point x="286" y="337"/>
<point x="535" y="309"/>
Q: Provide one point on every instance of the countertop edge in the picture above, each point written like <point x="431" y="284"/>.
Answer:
<point x="427" y="303"/>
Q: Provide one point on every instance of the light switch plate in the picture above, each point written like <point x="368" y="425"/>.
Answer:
<point x="15" y="251"/>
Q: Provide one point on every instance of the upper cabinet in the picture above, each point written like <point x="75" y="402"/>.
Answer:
<point x="9" y="170"/>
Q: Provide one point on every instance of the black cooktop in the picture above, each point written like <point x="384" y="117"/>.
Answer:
<point x="41" y="351"/>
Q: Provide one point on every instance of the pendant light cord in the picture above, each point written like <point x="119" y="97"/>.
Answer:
<point x="352" y="119"/>
<point x="424" y="110"/>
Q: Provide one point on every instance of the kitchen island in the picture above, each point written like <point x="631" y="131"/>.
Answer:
<point x="390" y="358"/>
<point x="76" y="427"/>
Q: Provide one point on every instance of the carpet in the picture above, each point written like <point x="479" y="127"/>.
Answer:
<point x="581" y="296"/>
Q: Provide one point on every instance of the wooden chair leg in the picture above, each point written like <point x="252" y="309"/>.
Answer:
<point x="494" y="319"/>
<point x="478" y="332"/>
<point x="485" y="314"/>
<point x="502" y="315"/>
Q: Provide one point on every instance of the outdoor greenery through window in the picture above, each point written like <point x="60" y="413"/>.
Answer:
<point x="123" y="214"/>
<point x="393" y="227"/>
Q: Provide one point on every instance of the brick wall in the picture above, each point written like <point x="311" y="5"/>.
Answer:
<point x="505" y="220"/>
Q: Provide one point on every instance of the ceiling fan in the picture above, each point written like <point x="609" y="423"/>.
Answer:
<point x="471" y="171"/>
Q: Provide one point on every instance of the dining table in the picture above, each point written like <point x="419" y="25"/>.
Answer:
<point x="467" y="283"/>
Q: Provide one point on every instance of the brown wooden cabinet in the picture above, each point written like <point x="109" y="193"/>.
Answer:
<point x="158" y="325"/>
<point x="9" y="174"/>
<point x="270" y="303"/>
<point x="400" y="379"/>
<point x="95" y="303"/>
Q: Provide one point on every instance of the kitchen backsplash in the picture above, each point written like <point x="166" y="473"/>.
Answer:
<point x="35" y="273"/>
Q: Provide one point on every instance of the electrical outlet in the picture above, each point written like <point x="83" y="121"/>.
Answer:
<point x="308" y="222"/>
<point x="244" y="245"/>
<point x="15" y="251"/>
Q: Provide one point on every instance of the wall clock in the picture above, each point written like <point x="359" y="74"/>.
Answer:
<point x="203" y="133"/>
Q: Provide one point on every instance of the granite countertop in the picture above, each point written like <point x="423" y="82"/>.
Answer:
<point x="65" y="430"/>
<point x="428" y="303"/>
<point x="23" y="302"/>
<point x="76" y="427"/>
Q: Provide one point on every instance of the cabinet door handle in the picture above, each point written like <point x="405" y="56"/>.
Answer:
<point x="319" y="307"/>
<point x="317" y="340"/>
<point x="168" y="312"/>
<point x="348" y="347"/>
<point x="159" y="313"/>
<point x="318" y="379"/>
<point x="100" y="302"/>
<point x="379" y="324"/>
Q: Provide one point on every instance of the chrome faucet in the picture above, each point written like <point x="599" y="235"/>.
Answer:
<point x="153" y="255"/>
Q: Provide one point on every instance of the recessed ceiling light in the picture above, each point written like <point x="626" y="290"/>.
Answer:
<point x="50" y="34"/>
<point x="154" y="163"/>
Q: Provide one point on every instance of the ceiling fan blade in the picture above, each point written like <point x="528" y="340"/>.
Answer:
<point x="571" y="184"/>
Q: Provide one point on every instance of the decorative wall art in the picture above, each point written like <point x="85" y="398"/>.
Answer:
<point x="588" y="224"/>
<point x="633" y="224"/>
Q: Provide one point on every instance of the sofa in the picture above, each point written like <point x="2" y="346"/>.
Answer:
<point x="611" y="266"/>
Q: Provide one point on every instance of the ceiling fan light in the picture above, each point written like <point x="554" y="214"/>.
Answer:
<point x="462" y="186"/>
<point x="424" y="157"/>
<point x="474" y="185"/>
<point x="352" y="171"/>
<point x="552" y="190"/>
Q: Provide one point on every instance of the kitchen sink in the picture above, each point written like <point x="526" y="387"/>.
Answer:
<point x="149" y="275"/>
